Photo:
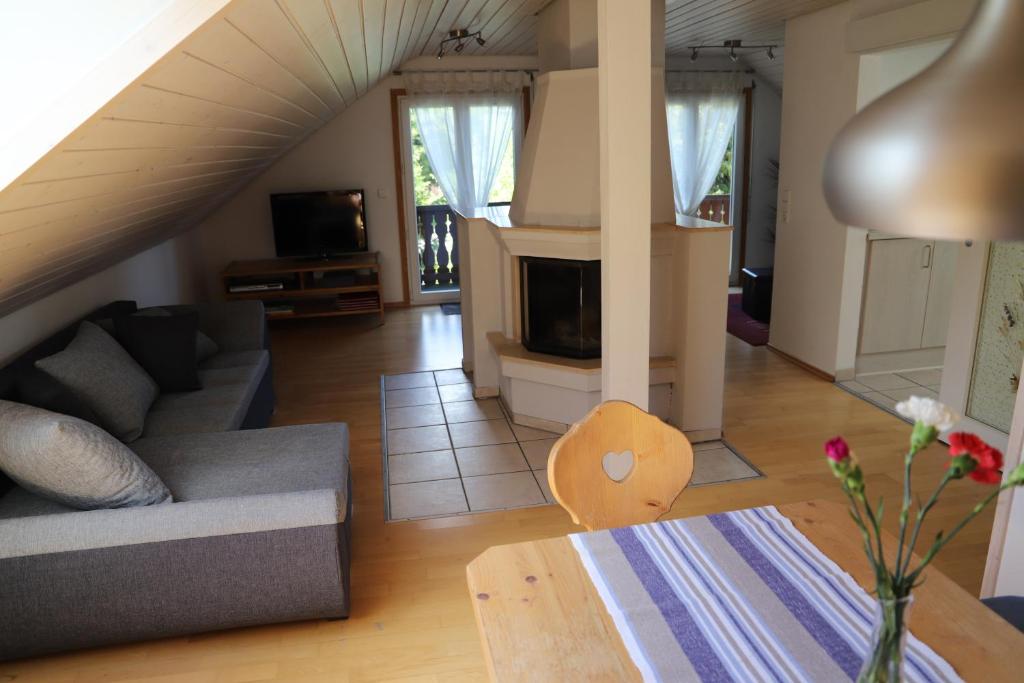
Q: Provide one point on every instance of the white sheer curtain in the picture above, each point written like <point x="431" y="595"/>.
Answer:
<point x="465" y="138"/>
<point x="701" y="111"/>
<point x="466" y="121"/>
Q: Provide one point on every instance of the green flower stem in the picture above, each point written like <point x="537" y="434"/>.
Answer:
<point x="859" y="520"/>
<point x="901" y="569"/>
<point x="878" y="533"/>
<point x="940" y="543"/>
<point x="908" y="461"/>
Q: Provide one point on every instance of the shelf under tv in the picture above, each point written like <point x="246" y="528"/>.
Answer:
<point x="310" y="288"/>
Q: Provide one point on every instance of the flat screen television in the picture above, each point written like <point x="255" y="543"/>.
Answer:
<point x="319" y="224"/>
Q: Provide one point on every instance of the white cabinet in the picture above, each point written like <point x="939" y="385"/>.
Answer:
<point x="906" y="296"/>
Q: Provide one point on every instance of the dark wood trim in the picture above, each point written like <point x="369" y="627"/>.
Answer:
<point x="817" y="372"/>
<point x="396" y="143"/>
<point x="748" y="133"/>
<point x="526" y="109"/>
<point x="392" y="305"/>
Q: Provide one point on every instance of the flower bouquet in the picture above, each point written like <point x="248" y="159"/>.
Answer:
<point x="969" y="457"/>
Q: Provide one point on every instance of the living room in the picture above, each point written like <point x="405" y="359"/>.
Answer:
<point x="359" y="428"/>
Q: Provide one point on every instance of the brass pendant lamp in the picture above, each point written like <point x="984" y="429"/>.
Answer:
<point x="942" y="156"/>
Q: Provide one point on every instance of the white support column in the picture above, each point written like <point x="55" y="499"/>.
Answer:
<point x="624" y="77"/>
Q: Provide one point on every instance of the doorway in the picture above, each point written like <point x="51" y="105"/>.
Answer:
<point x="431" y="238"/>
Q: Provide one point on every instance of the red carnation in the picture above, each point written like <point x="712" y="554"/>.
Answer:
<point x="988" y="461"/>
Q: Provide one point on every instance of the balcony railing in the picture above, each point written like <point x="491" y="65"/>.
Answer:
<point x="715" y="207"/>
<point x="439" y="247"/>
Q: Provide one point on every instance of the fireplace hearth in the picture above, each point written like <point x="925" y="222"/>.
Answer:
<point x="561" y="306"/>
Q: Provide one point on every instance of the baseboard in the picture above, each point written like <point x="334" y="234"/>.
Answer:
<point x="390" y="305"/>
<point x="701" y="435"/>
<point x="817" y="372"/>
<point x="485" y="392"/>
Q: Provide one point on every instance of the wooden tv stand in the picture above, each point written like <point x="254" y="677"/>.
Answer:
<point x="309" y="288"/>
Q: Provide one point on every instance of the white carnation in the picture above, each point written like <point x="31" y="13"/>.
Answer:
<point x="927" y="411"/>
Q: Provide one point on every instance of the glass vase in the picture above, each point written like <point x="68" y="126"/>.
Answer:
<point x="884" y="663"/>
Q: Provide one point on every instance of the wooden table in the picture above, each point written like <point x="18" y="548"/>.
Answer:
<point x="540" y="617"/>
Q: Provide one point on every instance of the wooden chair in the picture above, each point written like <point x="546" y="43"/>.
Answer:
<point x="619" y="466"/>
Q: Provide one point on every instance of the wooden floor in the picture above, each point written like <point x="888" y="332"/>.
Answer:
<point x="411" y="618"/>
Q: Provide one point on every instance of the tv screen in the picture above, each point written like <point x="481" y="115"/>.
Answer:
<point x="319" y="224"/>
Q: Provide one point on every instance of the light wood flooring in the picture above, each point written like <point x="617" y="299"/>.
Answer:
<point x="411" y="617"/>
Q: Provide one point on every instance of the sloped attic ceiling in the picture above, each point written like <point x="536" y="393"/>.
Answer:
<point x="711" y="22"/>
<point x="210" y="113"/>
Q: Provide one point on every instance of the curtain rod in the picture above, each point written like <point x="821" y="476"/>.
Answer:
<point x="399" y="72"/>
<point x="710" y="71"/>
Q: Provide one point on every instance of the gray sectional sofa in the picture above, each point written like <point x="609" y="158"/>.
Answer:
<point x="259" y="531"/>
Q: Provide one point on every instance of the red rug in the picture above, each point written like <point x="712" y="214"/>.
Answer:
<point x="741" y="325"/>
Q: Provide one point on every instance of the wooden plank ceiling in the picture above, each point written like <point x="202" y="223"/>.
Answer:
<point x="211" y="114"/>
<point x="711" y="22"/>
<point x="240" y="91"/>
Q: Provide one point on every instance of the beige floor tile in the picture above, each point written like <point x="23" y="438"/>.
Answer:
<point x="928" y="377"/>
<point x="479" y="460"/>
<point x="884" y="381"/>
<point x="537" y="452"/>
<point x="400" y="398"/>
<point x="483" y="433"/>
<point x="719" y="465"/>
<point x="410" y="467"/>
<point x="497" y="491"/>
<point x="856" y="386"/>
<point x="418" y="440"/>
<point x="542" y="480"/>
<point x="415" y="416"/>
<point x="456" y="392"/>
<point x="530" y="434"/>
<point x="409" y="380"/>
<point x="423" y="499"/>
<point x="471" y="411"/>
<point x="456" y="376"/>
<point x="904" y="394"/>
<point x="878" y="397"/>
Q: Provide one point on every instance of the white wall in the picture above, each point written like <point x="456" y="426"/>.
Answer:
<point x="819" y="96"/>
<point x="354" y="150"/>
<point x="164" y="274"/>
<point x="764" y="145"/>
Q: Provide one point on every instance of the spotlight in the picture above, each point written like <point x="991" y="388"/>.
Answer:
<point x="771" y="53"/>
<point x="694" y="55"/>
<point x="460" y="47"/>
<point x="732" y="55"/>
<point x="480" y="41"/>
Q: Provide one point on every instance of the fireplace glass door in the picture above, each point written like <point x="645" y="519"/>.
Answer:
<point x="561" y="310"/>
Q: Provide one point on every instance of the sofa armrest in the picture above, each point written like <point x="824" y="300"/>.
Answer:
<point x="234" y="325"/>
<point x="94" y="529"/>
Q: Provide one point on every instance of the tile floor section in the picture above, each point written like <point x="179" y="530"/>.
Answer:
<point x="449" y="454"/>
<point x="886" y="389"/>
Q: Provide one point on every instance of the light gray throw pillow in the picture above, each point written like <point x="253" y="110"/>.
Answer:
<point x="105" y="377"/>
<point x="72" y="461"/>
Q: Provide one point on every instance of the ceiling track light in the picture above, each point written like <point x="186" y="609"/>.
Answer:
<point x="461" y="37"/>
<point x="734" y="48"/>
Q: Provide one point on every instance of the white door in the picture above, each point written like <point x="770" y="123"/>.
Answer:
<point x="431" y="245"/>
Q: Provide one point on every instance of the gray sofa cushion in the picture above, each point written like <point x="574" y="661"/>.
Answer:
<point x="72" y="461"/>
<point x="232" y="483"/>
<point x="220" y="406"/>
<point x="104" y="376"/>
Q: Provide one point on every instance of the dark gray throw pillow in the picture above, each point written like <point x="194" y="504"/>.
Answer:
<point x="105" y="377"/>
<point x="73" y="462"/>
<point x="206" y="348"/>
<point x="165" y="347"/>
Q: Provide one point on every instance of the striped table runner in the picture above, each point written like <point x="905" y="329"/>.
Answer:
<point x="740" y="596"/>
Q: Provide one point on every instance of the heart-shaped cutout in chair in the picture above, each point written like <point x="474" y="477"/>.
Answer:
<point x="618" y="466"/>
